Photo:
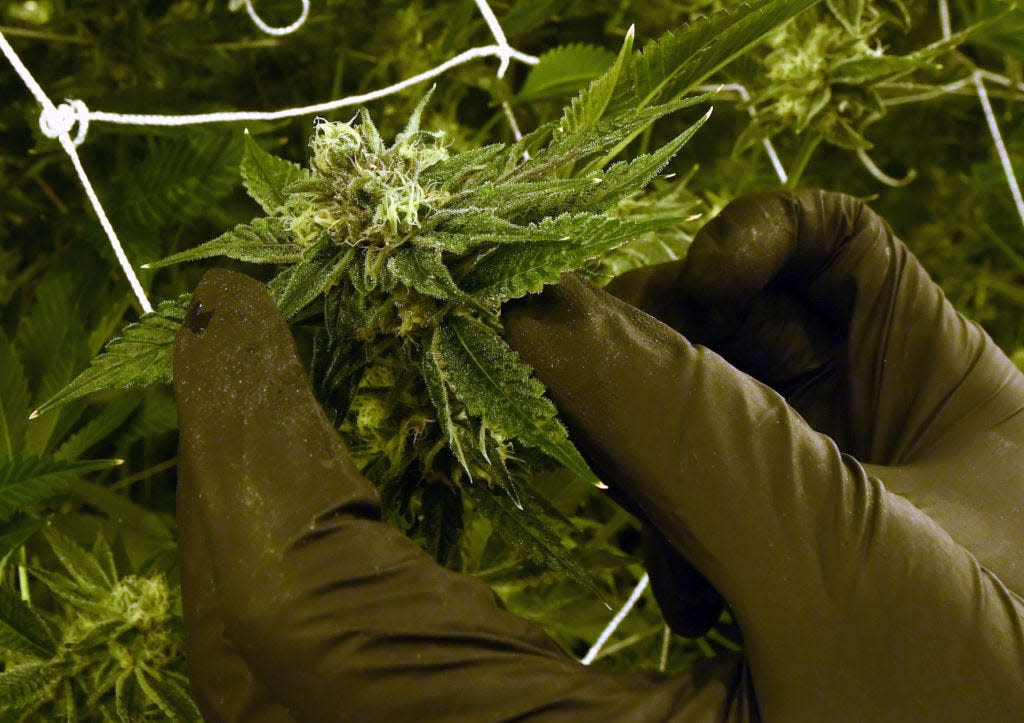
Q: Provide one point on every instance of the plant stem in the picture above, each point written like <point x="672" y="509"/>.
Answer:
<point x="807" y="148"/>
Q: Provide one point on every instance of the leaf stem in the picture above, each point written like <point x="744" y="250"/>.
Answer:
<point x="144" y="474"/>
<point x="806" y="150"/>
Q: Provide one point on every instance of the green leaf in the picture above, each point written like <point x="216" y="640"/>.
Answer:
<point x="110" y="417"/>
<point x="85" y="569"/>
<point x="22" y="685"/>
<point x="122" y="510"/>
<point x="516" y="270"/>
<point x="442" y="521"/>
<point x="437" y="387"/>
<point x="587" y="108"/>
<point x="848" y="12"/>
<point x="670" y="66"/>
<point x="266" y="177"/>
<point x="14" y="400"/>
<point x="423" y="270"/>
<point x="15" y="533"/>
<point x="28" y="481"/>
<point x="298" y="285"/>
<point x="487" y="376"/>
<point x="23" y="633"/>
<point x="258" y="242"/>
<point x="564" y="70"/>
<point x="531" y="534"/>
<point x="142" y="355"/>
<point x="624" y="179"/>
<point x="179" y="179"/>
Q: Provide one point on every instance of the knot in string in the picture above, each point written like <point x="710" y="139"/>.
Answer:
<point x="55" y="121"/>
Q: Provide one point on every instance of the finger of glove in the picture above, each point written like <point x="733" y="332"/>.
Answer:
<point x="813" y="293"/>
<point x="822" y="567"/>
<point x="340" y="616"/>
<point x="222" y="682"/>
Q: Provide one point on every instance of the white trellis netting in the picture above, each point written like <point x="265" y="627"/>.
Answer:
<point x="58" y="122"/>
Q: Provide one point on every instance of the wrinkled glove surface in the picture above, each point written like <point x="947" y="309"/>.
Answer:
<point x="882" y="591"/>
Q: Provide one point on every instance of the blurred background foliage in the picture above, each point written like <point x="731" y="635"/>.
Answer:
<point x="848" y="84"/>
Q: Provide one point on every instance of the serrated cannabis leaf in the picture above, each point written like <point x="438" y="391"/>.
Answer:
<point x="23" y="634"/>
<point x="267" y="177"/>
<point x="586" y="109"/>
<point x="29" y="481"/>
<point x="142" y="355"/>
<point x="516" y="270"/>
<point x="14" y="399"/>
<point x="22" y="685"/>
<point x="527" y="532"/>
<point x="263" y="241"/>
<point x="486" y="375"/>
<point x="298" y="285"/>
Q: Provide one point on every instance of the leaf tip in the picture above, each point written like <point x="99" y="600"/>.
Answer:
<point x="35" y="414"/>
<point x="118" y="462"/>
<point x="600" y="485"/>
<point x="631" y="32"/>
<point x="144" y="266"/>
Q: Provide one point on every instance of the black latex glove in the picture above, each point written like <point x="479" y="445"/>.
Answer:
<point x="300" y="605"/>
<point x="812" y="294"/>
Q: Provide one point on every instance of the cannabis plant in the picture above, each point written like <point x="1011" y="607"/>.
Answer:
<point x="113" y="647"/>
<point x="409" y="251"/>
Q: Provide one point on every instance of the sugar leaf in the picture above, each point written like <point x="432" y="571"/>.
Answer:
<point x="516" y="270"/>
<point x="261" y="241"/>
<point x="526" y="530"/>
<point x="23" y="634"/>
<point x="487" y="376"/>
<point x="266" y="176"/>
<point x="437" y="387"/>
<point x="298" y="285"/>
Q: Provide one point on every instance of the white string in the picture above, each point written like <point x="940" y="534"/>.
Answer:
<point x="57" y="123"/>
<point x="780" y="171"/>
<point x="145" y="119"/>
<point x="997" y="138"/>
<point x="499" y="35"/>
<point x="616" y="621"/>
<point x="947" y="28"/>
<point x="270" y="29"/>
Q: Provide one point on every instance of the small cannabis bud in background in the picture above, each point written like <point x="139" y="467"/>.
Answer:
<point x="114" y="643"/>
<point x="821" y="71"/>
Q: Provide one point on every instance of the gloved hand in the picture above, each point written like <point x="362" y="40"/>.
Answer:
<point x="811" y="294"/>
<point x="855" y="604"/>
<point x="865" y="592"/>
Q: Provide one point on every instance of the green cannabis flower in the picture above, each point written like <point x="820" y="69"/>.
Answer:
<point x="115" y="643"/>
<point x="361" y="192"/>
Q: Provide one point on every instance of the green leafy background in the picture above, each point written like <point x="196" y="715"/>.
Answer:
<point x="87" y="533"/>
